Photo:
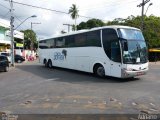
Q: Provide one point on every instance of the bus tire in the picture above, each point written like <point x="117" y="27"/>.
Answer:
<point x="45" y="63"/>
<point x="50" y="64"/>
<point x="99" y="70"/>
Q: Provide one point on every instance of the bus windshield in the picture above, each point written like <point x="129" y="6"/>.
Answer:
<point x="131" y="34"/>
<point x="133" y="46"/>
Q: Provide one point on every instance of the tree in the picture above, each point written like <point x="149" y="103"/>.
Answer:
<point x="74" y="28"/>
<point x="90" y="24"/>
<point x="82" y="25"/>
<point x="94" y="23"/>
<point x="30" y="40"/>
<point x="74" y="13"/>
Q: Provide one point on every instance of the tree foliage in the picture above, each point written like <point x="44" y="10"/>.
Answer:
<point x="30" y="40"/>
<point x="90" y="24"/>
<point x="73" y="11"/>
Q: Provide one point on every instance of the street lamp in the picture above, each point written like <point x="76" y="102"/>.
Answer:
<point x="12" y="34"/>
<point x="148" y="7"/>
<point x="25" y="20"/>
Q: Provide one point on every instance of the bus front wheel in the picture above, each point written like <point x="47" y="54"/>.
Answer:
<point x="99" y="71"/>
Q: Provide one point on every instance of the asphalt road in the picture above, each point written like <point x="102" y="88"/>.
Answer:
<point x="30" y="88"/>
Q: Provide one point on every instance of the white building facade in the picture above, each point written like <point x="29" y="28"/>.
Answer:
<point x="5" y="40"/>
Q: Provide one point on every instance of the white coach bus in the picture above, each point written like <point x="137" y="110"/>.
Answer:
<point x="118" y="51"/>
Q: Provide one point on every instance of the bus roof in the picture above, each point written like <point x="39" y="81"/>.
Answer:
<point x="96" y="28"/>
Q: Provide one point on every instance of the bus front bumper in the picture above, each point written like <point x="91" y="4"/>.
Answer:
<point x="129" y="74"/>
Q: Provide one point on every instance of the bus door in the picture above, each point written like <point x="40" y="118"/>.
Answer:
<point x="115" y="62"/>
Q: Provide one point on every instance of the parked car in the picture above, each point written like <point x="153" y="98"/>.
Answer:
<point x="6" y="54"/>
<point x="4" y="63"/>
<point x="19" y="59"/>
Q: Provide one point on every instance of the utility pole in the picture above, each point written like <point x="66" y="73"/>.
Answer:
<point x="68" y="26"/>
<point x="142" y="15"/>
<point x="31" y="46"/>
<point x="33" y="23"/>
<point x="12" y="33"/>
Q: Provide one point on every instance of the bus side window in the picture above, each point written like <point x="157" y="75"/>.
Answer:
<point x="93" y="38"/>
<point x="109" y="37"/>
<point x="70" y="41"/>
<point x="60" y="42"/>
<point x="43" y="45"/>
<point x="80" y="40"/>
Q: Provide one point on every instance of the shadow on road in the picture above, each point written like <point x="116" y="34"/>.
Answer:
<point x="67" y="75"/>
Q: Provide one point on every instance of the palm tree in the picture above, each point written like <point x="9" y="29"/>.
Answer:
<point x="74" y="13"/>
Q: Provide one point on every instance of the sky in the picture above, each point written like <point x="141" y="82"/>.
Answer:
<point x="51" y="22"/>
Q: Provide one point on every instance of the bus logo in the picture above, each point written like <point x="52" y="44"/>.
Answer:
<point x="64" y="52"/>
<point x="60" y="55"/>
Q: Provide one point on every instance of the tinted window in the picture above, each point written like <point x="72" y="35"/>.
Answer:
<point x="42" y="44"/>
<point x="84" y="39"/>
<point x="3" y="58"/>
<point x="60" y="42"/>
<point x="6" y="54"/>
<point x="17" y="55"/>
<point x="70" y="41"/>
<point x="80" y="40"/>
<point x="93" y="39"/>
<point x="50" y="43"/>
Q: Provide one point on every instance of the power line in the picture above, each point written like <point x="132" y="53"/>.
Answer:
<point x="40" y="7"/>
<point x="108" y="5"/>
<point x="18" y="19"/>
<point x="50" y="9"/>
<point x="4" y="6"/>
<point x="6" y="14"/>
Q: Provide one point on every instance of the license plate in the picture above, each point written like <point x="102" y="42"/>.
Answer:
<point x="140" y="73"/>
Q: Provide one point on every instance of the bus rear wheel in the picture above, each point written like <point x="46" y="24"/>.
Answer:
<point x="99" y="71"/>
<point x="50" y="64"/>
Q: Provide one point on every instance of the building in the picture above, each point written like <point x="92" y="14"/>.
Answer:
<point x="19" y="42"/>
<point x="5" y="40"/>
